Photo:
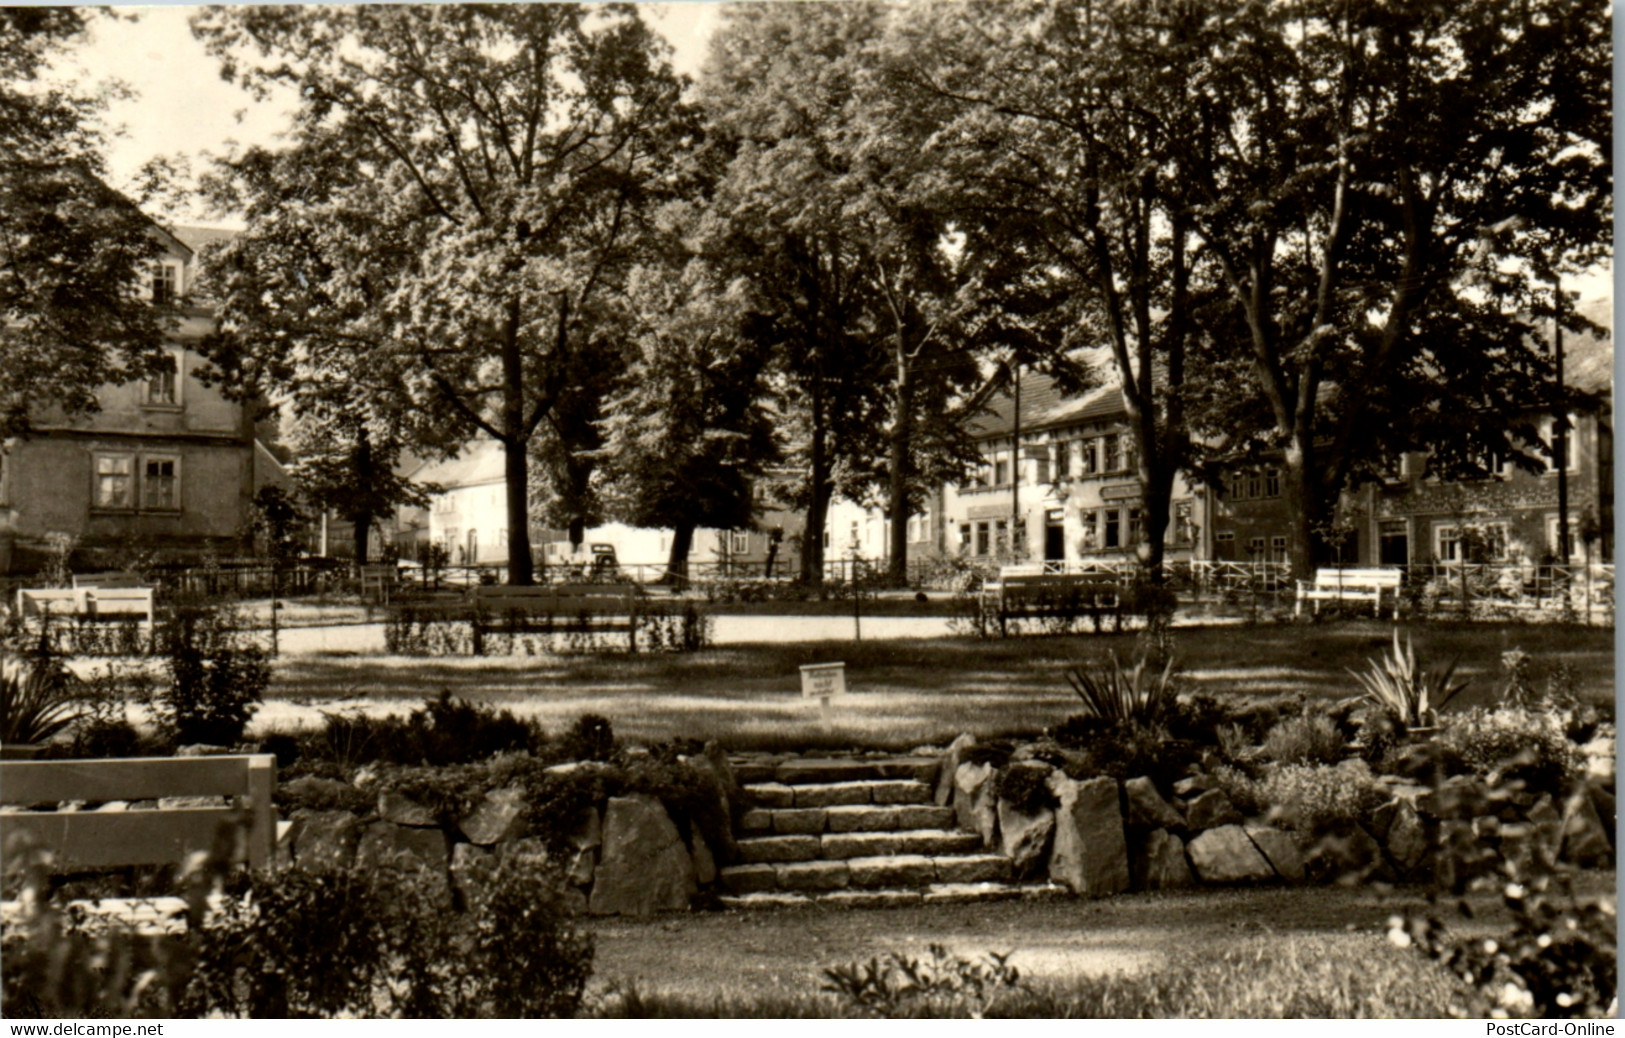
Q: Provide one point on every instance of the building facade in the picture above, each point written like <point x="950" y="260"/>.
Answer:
<point x="164" y="472"/>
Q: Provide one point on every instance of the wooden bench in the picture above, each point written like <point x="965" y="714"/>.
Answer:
<point x="559" y="601"/>
<point x="379" y="579"/>
<point x="1027" y="590"/>
<point x="94" y="602"/>
<point x="246" y="831"/>
<point x="1359" y="585"/>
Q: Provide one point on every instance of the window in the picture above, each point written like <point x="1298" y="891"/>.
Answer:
<point x="964" y="537"/>
<point x="1001" y="536"/>
<point x="1040" y="465"/>
<point x="1113" y="533"/>
<point x="1089" y="457"/>
<point x="473" y="545"/>
<point x="163" y="389"/>
<point x="1184" y="524"/>
<point x="1255" y="547"/>
<point x="1277" y="549"/>
<point x="981" y="539"/>
<point x="502" y="539"/>
<point x="1001" y="468"/>
<point x="165" y="283"/>
<point x="1477" y="542"/>
<point x="1091" y="530"/>
<point x="1108" y="452"/>
<point x="826" y="538"/>
<point x="160" y="484"/>
<point x="1063" y="460"/>
<point x="115" y="481"/>
<point x="855" y="540"/>
<point x="1552" y="545"/>
<point x="1136" y="526"/>
<point x="1548" y="434"/>
<point x="1224" y="545"/>
<point x="739" y="542"/>
<point x="1272" y="482"/>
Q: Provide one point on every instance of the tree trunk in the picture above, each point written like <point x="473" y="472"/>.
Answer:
<point x="1303" y="506"/>
<point x="516" y="474"/>
<point x="812" y="538"/>
<point x="897" y="490"/>
<point x="1156" y="510"/>
<point x="360" y="534"/>
<point x="682" y="540"/>
<point x="578" y="533"/>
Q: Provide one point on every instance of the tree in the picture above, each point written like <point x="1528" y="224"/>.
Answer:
<point x="1070" y="136"/>
<point x="692" y="427"/>
<point x="826" y="155"/>
<point x="505" y="158"/>
<point x="1380" y="187"/>
<point x="74" y="254"/>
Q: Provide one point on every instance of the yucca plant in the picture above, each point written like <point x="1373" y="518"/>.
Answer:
<point x="37" y="701"/>
<point x="1397" y="683"/>
<point x="1139" y="695"/>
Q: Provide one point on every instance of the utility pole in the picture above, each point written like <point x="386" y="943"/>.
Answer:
<point x="1560" y="425"/>
<point x="1015" y="461"/>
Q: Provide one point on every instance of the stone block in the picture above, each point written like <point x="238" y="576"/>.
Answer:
<point x="1146" y="807"/>
<point x="1090" y="854"/>
<point x="1281" y="851"/>
<point x="925" y="816"/>
<point x="863" y="818"/>
<point x="899" y="791"/>
<point x="326" y="839"/>
<point x="757" y="820"/>
<point x="810" y="770"/>
<point x="1211" y="810"/>
<point x="1161" y="863"/>
<point x="974" y="801"/>
<point x="748" y="879"/>
<point x="778" y="848"/>
<point x="1226" y="855"/>
<point x="871" y="898"/>
<point x="859" y="845"/>
<point x="398" y="809"/>
<point x="1585" y="841"/>
<point x="894" y="870"/>
<point x="917" y="769"/>
<point x="949" y="768"/>
<point x="969" y="893"/>
<point x="771" y="794"/>
<point x="974" y="868"/>
<point x="1194" y="784"/>
<point x="812" y="875"/>
<point x="798" y="820"/>
<point x="498" y="816"/>
<point x="644" y="868"/>
<point x="832" y="794"/>
<point x="1025" y="838"/>
<point x="384" y="843"/>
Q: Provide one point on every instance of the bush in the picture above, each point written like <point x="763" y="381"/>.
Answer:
<point x="39" y="696"/>
<point x="895" y="986"/>
<point x="592" y="738"/>
<point x="1139" y="695"/>
<point x="443" y="731"/>
<point x="1399" y="685"/>
<point x="1306" y="739"/>
<point x="1026" y="787"/>
<point x="1527" y="746"/>
<point x="1314" y="799"/>
<point x="216" y="678"/>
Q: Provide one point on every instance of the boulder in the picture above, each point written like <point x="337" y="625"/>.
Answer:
<point x="1281" y="851"/>
<point x="1602" y="798"/>
<point x="1406" y="839"/>
<point x="1161" y="863"/>
<point x="498" y="816"/>
<point x="587" y="838"/>
<point x="1194" y="784"/>
<point x="384" y="843"/>
<point x="1023" y="838"/>
<point x="1227" y="855"/>
<point x="1599" y="756"/>
<point x="644" y="867"/>
<point x="1585" y="841"/>
<point x="705" y="866"/>
<point x="325" y="839"/>
<point x="714" y="761"/>
<point x="1351" y="855"/>
<point x="1210" y="811"/>
<point x="947" y="774"/>
<point x="1091" y="854"/>
<point x="1147" y="809"/>
<point x="326" y="791"/>
<point x="973" y="800"/>
<point x="401" y="810"/>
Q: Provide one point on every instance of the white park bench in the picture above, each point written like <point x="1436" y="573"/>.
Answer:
<point x="1356" y="585"/>
<point x="96" y="602"/>
<point x="236" y="820"/>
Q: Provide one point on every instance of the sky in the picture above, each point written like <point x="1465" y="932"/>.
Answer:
<point x="182" y="106"/>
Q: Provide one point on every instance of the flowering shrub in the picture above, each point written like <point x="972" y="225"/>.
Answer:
<point x="1527" y="745"/>
<point x="1308" y="739"/>
<point x="1312" y="798"/>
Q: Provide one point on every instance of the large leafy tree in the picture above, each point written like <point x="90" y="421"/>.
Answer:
<point x="692" y="427"/>
<point x="1381" y="188"/>
<point x="827" y="168"/>
<point x="74" y="254"/>
<point x="506" y="157"/>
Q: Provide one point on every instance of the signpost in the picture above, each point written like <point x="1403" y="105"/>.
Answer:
<point x="823" y="680"/>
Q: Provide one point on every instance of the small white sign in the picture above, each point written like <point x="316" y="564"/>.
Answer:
<point x="822" y="680"/>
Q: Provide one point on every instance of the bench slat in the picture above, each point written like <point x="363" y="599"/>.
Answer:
<point x="96" y="839"/>
<point x="134" y="778"/>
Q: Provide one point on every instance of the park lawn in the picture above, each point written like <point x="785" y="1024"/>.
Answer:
<point x="905" y="693"/>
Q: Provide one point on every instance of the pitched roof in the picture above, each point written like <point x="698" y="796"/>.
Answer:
<point x="195" y="238"/>
<point x="1043" y="406"/>
<point x="477" y="463"/>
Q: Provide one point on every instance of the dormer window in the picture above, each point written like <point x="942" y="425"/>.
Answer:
<point x="166" y="279"/>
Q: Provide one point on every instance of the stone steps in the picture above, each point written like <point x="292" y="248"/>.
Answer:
<point x="755" y="850"/>
<point x="781" y="795"/>
<point x="822" y="771"/>
<point x="935" y="893"/>
<point x="844" y="818"/>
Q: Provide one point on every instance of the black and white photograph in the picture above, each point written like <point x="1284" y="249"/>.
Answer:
<point x="808" y="509"/>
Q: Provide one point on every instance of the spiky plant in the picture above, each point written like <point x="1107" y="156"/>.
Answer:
<point x="1397" y="683"/>
<point x="37" y="701"/>
<point x="1139" y="695"/>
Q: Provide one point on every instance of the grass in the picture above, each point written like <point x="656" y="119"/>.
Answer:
<point x="906" y="692"/>
<point x="1264" y="952"/>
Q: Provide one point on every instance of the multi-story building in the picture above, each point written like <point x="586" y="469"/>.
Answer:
<point x="166" y="470"/>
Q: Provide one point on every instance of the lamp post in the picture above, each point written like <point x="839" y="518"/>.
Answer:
<point x="1560" y="424"/>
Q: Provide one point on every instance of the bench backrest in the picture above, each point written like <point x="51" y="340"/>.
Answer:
<point x="121" y="601"/>
<point x="38" y="601"/>
<point x="100" y="839"/>
<point x="559" y="598"/>
<point x="1359" y="578"/>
